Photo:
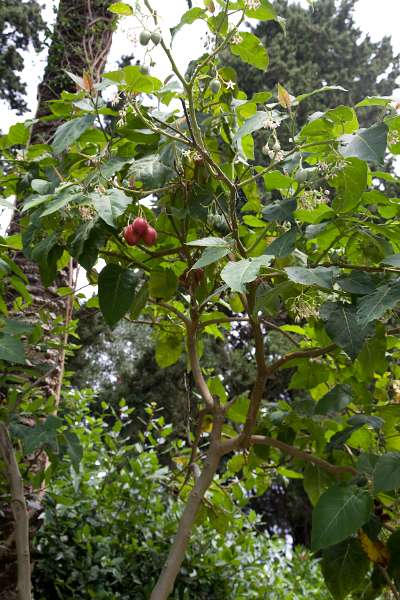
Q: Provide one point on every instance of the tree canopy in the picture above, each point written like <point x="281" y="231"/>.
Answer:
<point x="199" y="238"/>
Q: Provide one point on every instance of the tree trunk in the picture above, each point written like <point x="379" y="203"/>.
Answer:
<point x="80" y="44"/>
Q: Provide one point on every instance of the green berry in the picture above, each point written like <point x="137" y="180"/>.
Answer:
<point x="144" y="37"/>
<point x="156" y="37"/>
<point x="303" y="175"/>
<point x="215" y="86"/>
<point x="144" y="69"/>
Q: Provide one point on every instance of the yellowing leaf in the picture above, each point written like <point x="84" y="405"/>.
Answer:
<point x="374" y="549"/>
<point x="284" y="98"/>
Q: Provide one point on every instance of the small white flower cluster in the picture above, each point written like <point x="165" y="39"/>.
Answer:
<point x="310" y="199"/>
<point x="230" y="84"/>
<point x="132" y="36"/>
<point x="122" y="118"/>
<point x="236" y="38"/>
<point x="86" y="212"/>
<point x="252" y="4"/>
<point x="393" y="137"/>
<point x="270" y="123"/>
<point x="100" y="189"/>
<point x="114" y="100"/>
<point x="19" y="155"/>
<point x="275" y="153"/>
<point x="304" y="307"/>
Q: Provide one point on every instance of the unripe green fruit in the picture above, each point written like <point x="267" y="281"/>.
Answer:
<point x="156" y="37"/>
<point x="215" y="86"/>
<point x="144" y="37"/>
<point x="303" y="175"/>
<point x="144" y="69"/>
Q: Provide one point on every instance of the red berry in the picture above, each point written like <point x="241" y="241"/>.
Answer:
<point x="130" y="236"/>
<point x="140" y="226"/>
<point x="150" y="236"/>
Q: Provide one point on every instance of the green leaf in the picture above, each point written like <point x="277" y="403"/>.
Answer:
<point x="237" y="274"/>
<point x="343" y="326"/>
<point x="265" y="12"/>
<point x="344" y="567"/>
<point x="335" y="400"/>
<point x="42" y="186"/>
<point x="121" y="8"/>
<point x="46" y="253"/>
<point x="283" y="245"/>
<point x="134" y="80"/>
<point x="70" y="131"/>
<point x="393" y="260"/>
<point x="322" y="277"/>
<point x="11" y="349"/>
<point x="373" y="101"/>
<point x="366" y="144"/>
<point x="110" y="204"/>
<point x="209" y="256"/>
<point x="281" y="210"/>
<point x="139" y="301"/>
<point x="151" y="172"/>
<point x="18" y="135"/>
<point x="251" y="50"/>
<point x="74" y="448"/>
<point x="163" y="284"/>
<point x="275" y="180"/>
<point x="255" y="123"/>
<point x="326" y="88"/>
<point x="116" y="292"/>
<point x="387" y="472"/>
<point x="38" y="436"/>
<point x="316" y="481"/>
<point x="350" y="183"/>
<point x="375" y="305"/>
<point x="210" y="242"/>
<point x="339" y="513"/>
<point x="238" y="411"/>
<point x="189" y="17"/>
<point x="358" y="282"/>
<point x="168" y="350"/>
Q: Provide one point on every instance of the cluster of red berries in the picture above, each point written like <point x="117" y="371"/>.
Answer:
<point x="138" y="231"/>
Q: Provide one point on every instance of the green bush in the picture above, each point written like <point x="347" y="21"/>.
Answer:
<point x="108" y="527"/>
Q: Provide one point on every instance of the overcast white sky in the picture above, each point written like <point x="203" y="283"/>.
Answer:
<point x="376" y="17"/>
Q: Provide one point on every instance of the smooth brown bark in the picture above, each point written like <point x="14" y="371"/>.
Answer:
<point x="20" y="514"/>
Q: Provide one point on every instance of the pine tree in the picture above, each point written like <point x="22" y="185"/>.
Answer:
<point x="20" y="25"/>
<point x="322" y="46"/>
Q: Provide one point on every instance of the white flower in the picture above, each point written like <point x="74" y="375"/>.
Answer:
<point x="236" y="38"/>
<point x="269" y="123"/>
<point x="276" y="146"/>
<point x="395" y="104"/>
<point x="265" y="150"/>
<point x="252" y="4"/>
<point x="131" y="36"/>
<point x="230" y="84"/>
<point x="393" y="137"/>
<point x="114" y="99"/>
<point x="279" y="156"/>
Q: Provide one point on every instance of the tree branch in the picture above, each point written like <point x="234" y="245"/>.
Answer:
<point x="309" y="353"/>
<point x="176" y="555"/>
<point x="265" y="440"/>
<point x="200" y="382"/>
<point x="20" y="514"/>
